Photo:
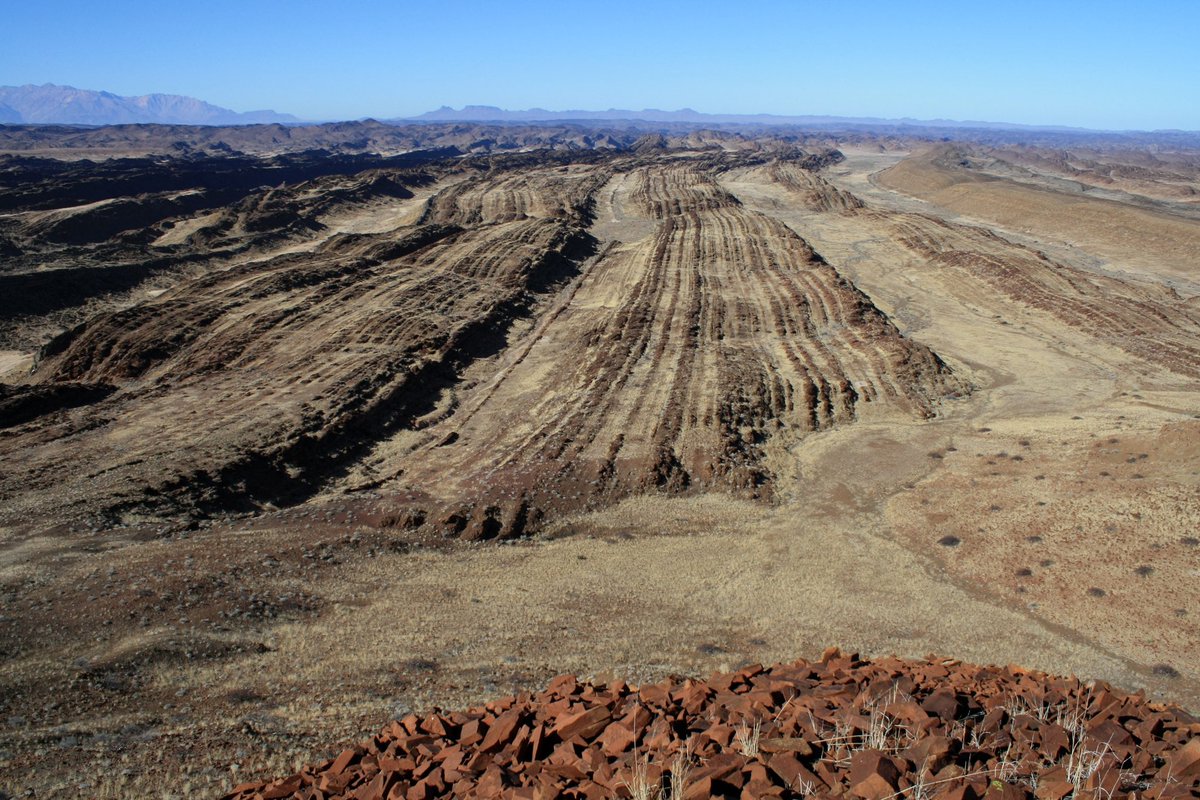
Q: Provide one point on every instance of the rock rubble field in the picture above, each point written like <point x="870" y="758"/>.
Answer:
<point x="841" y="726"/>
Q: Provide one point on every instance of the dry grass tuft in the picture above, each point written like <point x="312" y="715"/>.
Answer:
<point x="748" y="738"/>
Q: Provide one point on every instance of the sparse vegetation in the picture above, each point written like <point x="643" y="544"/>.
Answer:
<point x="748" y="738"/>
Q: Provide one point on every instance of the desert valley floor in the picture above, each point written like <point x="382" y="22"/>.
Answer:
<point x="282" y="464"/>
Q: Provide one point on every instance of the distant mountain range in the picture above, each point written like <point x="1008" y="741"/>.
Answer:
<point x="687" y="115"/>
<point x="50" y="104"/>
<point x="66" y="105"/>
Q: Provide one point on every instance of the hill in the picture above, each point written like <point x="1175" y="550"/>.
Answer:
<point x="296" y="441"/>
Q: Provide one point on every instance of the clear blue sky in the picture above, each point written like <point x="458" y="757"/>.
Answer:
<point x="1091" y="63"/>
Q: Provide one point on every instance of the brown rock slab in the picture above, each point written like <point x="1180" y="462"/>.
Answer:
<point x="787" y="744"/>
<point x="344" y="760"/>
<point x="501" y="731"/>
<point x="1054" y="789"/>
<point x="616" y="739"/>
<point x="284" y="788"/>
<point x="942" y="703"/>
<point x="963" y="791"/>
<point x="584" y="724"/>
<point x="867" y="763"/>
<point x="872" y="787"/>
<point x="931" y="753"/>
<point x="1185" y="762"/>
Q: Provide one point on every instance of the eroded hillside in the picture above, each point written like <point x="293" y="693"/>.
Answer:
<point x="505" y="343"/>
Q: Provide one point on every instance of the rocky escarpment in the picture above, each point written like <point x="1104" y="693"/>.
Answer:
<point x="1151" y="323"/>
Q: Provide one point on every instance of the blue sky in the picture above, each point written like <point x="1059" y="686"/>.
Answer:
<point x="1097" y="64"/>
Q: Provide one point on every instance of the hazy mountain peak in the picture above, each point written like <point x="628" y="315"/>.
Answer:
<point x="54" y="104"/>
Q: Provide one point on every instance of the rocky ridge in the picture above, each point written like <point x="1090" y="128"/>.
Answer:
<point x="399" y="356"/>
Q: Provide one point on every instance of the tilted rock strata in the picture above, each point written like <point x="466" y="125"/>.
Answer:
<point x="694" y="349"/>
<point x="839" y="727"/>
<point x="816" y="193"/>
<point x="1148" y="322"/>
<point x="336" y="349"/>
<point x="528" y="338"/>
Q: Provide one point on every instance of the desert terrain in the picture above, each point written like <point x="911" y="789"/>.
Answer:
<point x="296" y="443"/>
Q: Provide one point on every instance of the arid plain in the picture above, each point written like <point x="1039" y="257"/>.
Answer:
<point x="422" y="427"/>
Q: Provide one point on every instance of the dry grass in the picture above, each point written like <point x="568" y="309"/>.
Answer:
<point x="748" y="738"/>
<point x="642" y="787"/>
<point x="639" y="785"/>
<point x="682" y="764"/>
<point x="1084" y="762"/>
